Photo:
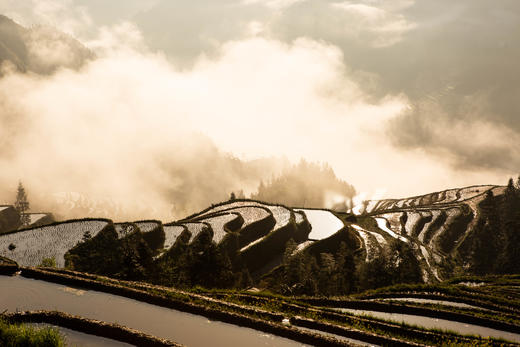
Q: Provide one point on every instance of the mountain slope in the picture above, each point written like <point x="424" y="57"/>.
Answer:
<point x="39" y="49"/>
<point x="426" y="239"/>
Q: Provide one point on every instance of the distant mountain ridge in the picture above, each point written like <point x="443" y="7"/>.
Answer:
<point x="39" y="49"/>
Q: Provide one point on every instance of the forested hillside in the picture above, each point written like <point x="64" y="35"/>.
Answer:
<point x="242" y="243"/>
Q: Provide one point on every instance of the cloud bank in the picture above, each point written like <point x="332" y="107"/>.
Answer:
<point x="121" y="126"/>
<point x="183" y="99"/>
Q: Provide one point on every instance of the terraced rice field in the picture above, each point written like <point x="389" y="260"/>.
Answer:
<point x="382" y="223"/>
<point x="450" y="196"/>
<point x="171" y="233"/>
<point x="195" y="228"/>
<point x="251" y="214"/>
<point x="436" y="323"/>
<point x="218" y="224"/>
<point x="34" y="217"/>
<point x="148" y="226"/>
<point x="434" y="302"/>
<point x="452" y="214"/>
<point x="371" y="206"/>
<point x="281" y="215"/>
<point x="412" y="222"/>
<point x="186" y="328"/>
<point x="34" y="245"/>
<point x="435" y="214"/>
<point x="324" y="223"/>
<point x="471" y="192"/>
<point x="370" y="243"/>
<point x="302" y="246"/>
<point x="299" y="217"/>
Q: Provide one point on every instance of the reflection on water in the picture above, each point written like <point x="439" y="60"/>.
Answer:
<point x="76" y="338"/>
<point x="324" y="223"/>
<point x="433" y="301"/>
<point x="18" y="293"/>
<point x="340" y="337"/>
<point x="427" y="322"/>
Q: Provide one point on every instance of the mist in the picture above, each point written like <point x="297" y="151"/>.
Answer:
<point x="129" y="134"/>
<point x="128" y="117"/>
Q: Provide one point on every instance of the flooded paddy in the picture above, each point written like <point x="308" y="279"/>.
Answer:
<point x="430" y="323"/>
<point x="435" y="302"/>
<point x="324" y="223"/>
<point x="19" y="293"/>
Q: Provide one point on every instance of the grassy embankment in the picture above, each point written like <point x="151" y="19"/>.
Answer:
<point x="23" y="335"/>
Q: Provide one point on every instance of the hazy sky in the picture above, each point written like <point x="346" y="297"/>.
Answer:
<point x="402" y="97"/>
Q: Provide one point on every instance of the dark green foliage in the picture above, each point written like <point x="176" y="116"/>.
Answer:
<point x="302" y="273"/>
<point x="155" y="237"/>
<point x="496" y="237"/>
<point x="272" y="246"/>
<point x="373" y="274"/>
<point x="128" y="258"/>
<point x="22" y="205"/>
<point x="396" y="264"/>
<point x="403" y="219"/>
<point x="19" y="335"/>
<point x="201" y="263"/>
<point x="450" y="237"/>
<point x="171" y="269"/>
<point x="207" y="265"/>
<point x="48" y="262"/>
<point x="511" y="225"/>
<point x="244" y="280"/>
<point x="136" y="257"/>
<point x="303" y="185"/>
<point x="345" y="267"/>
<point x="98" y="255"/>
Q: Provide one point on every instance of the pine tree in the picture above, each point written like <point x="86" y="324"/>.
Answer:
<point x="22" y="205"/>
<point x="510" y="257"/>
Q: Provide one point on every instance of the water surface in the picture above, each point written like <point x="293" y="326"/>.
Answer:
<point x="19" y="293"/>
<point x="427" y="322"/>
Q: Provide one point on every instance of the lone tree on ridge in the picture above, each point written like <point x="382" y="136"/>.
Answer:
<point x="22" y="205"/>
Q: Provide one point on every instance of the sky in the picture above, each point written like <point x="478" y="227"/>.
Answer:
<point x="400" y="97"/>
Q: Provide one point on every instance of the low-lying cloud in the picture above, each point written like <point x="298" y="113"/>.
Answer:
<point x="164" y="121"/>
<point x="130" y="126"/>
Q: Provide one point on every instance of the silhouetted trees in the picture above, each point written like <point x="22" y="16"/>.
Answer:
<point x="342" y="273"/>
<point x="22" y="205"/>
<point x="305" y="185"/>
<point x="198" y="263"/>
<point x="496" y="237"/>
<point x="395" y="264"/>
<point x="511" y="228"/>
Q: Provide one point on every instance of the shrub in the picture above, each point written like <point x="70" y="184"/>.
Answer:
<point x="22" y="335"/>
<point x="48" y="262"/>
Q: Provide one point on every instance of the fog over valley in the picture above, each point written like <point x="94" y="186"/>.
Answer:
<point x="157" y="109"/>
